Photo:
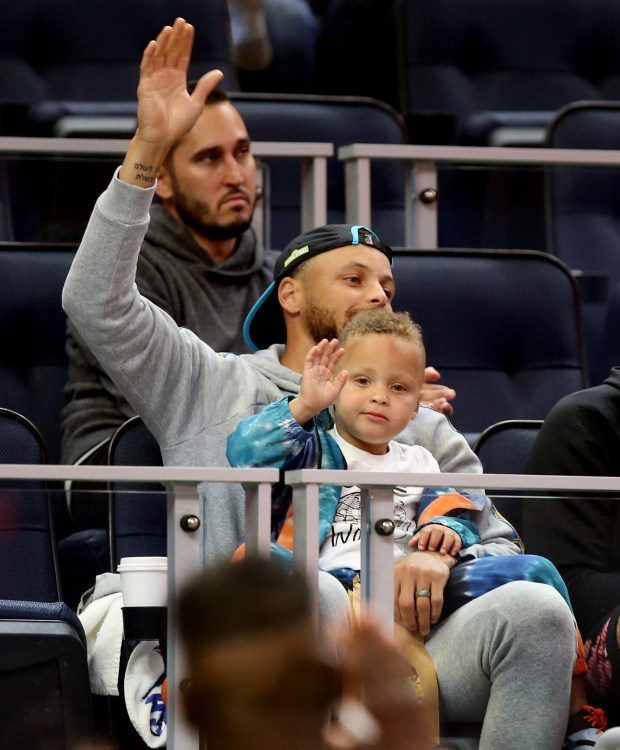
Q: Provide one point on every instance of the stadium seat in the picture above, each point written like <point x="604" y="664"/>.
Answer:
<point x="503" y="448"/>
<point x="137" y="509"/>
<point x="44" y="683"/>
<point x="503" y="327"/>
<point x="584" y="223"/>
<point x="33" y="362"/>
<point x="91" y="51"/>
<point x="337" y="120"/>
<point x="494" y="73"/>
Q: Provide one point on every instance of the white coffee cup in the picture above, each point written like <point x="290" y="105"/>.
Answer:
<point x="144" y="581"/>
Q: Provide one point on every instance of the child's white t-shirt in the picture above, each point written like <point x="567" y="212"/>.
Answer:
<point x="341" y="548"/>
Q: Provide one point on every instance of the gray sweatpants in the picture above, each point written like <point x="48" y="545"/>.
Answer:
<point x="507" y="659"/>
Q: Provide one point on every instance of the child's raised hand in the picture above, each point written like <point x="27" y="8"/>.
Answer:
<point x="436" y="537"/>
<point x="319" y="387"/>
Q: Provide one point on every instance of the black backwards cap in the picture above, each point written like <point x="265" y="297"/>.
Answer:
<point x="264" y="324"/>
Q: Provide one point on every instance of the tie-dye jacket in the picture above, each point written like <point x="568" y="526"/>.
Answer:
<point x="274" y="438"/>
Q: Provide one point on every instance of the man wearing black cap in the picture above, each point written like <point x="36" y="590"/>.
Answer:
<point x="363" y="279"/>
<point x="191" y="398"/>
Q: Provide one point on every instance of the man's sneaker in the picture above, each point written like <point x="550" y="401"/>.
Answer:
<point x="585" y="728"/>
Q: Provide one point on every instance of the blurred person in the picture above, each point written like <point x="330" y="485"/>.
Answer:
<point x="273" y="44"/>
<point x="258" y="678"/>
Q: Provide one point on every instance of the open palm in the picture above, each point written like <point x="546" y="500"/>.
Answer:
<point x="319" y="386"/>
<point x="166" y="111"/>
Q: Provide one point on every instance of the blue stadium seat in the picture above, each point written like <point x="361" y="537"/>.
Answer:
<point x="583" y="215"/>
<point x="503" y="327"/>
<point x="44" y="682"/>
<point x="503" y="448"/>
<point x="490" y="64"/>
<point x="33" y="362"/>
<point x="90" y="51"/>
<point x="494" y="73"/>
<point x="337" y="120"/>
<point x="137" y="509"/>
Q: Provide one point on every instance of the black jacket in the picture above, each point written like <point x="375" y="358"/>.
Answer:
<point x="580" y="436"/>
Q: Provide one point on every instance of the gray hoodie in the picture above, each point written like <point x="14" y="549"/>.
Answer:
<point x="188" y="395"/>
<point x="179" y="276"/>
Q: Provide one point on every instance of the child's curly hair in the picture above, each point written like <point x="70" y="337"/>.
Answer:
<point x="382" y="320"/>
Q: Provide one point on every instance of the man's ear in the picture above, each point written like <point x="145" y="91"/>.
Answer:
<point x="290" y="295"/>
<point x="164" y="184"/>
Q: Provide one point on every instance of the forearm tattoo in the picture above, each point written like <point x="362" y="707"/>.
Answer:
<point x="144" y="172"/>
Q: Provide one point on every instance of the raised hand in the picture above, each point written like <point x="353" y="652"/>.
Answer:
<point x="319" y="386"/>
<point x="166" y="111"/>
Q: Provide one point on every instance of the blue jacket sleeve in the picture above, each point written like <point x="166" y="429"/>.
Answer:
<point x="273" y="438"/>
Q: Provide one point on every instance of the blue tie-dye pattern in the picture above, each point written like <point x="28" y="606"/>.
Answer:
<point x="274" y="438"/>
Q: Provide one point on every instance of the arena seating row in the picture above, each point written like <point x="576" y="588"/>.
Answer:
<point x="90" y="51"/>
<point x="33" y="212"/>
<point x="504" y="324"/>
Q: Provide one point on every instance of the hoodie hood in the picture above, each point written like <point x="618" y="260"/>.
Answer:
<point x="267" y="363"/>
<point x="248" y="258"/>
<point x="613" y="378"/>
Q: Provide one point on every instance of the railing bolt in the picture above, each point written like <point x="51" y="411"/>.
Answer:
<point x="428" y="195"/>
<point x="190" y="523"/>
<point x="384" y="527"/>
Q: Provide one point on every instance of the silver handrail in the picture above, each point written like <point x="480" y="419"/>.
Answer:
<point x="420" y="188"/>
<point x="313" y="157"/>
<point x="185" y="549"/>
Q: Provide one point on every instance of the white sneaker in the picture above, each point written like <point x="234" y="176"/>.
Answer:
<point x="588" y="727"/>
<point x="609" y="740"/>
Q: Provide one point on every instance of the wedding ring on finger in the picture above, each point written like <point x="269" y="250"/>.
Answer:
<point x="424" y="593"/>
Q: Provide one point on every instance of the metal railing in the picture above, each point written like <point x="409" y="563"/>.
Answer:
<point x="313" y="158"/>
<point x="186" y="544"/>
<point x="421" y="198"/>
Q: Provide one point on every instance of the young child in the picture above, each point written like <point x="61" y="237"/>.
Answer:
<point x="374" y="384"/>
<point x="374" y="398"/>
